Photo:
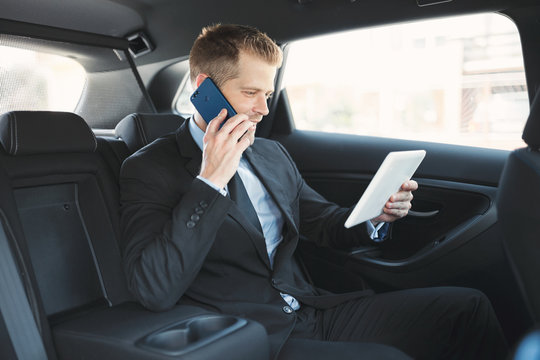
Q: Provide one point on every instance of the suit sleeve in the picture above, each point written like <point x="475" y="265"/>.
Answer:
<point x="322" y="221"/>
<point x="165" y="239"/>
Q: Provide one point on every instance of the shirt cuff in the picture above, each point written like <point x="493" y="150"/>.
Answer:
<point x="212" y="185"/>
<point x="377" y="233"/>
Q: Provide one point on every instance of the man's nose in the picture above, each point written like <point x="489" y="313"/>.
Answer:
<point x="261" y="106"/>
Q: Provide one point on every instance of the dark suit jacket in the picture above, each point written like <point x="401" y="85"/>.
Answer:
<point x="184" y="242"/>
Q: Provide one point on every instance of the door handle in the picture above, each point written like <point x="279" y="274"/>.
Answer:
<point x="423" y="214"/>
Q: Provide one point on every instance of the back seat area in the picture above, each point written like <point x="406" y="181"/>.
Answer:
<point x="60" y="204"/>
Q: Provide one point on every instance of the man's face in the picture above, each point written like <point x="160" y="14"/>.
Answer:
<point x="248" y="93"/>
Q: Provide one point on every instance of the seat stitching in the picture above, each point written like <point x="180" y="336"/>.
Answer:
<point x="16" y="136"/>
<point x="13" y="126"/>
<point x="10" y="129"/>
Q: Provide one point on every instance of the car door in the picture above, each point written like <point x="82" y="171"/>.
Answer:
<point x="451" y="236"/>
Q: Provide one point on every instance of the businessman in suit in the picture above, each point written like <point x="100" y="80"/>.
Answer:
<point x="211" y="216"/>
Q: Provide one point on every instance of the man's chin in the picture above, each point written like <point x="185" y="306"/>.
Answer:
<point x="251" y="139"/>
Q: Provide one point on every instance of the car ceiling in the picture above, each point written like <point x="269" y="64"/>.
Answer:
<point x="173" y="25"/>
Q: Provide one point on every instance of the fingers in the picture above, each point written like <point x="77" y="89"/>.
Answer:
<point x="215" y="123"/>
<point x="399" y="204"/>
<point x="397" y="209"/>
<point x="401" y="196"/>
<point x="230" y="132"/>
<point x="241" y="129"/>
<point x="405" y="192"/>
<point x="233" y="122"/>
<point x="223" y="147"/>
<point x="243" y="143"/>
<point x="400" y="201"/>
<point x="410" y="185"/>
<point x="234" y="128"/>
<point x="393" y="214"/>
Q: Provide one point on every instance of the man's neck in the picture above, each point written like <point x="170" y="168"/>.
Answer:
<point x="199" y="121"/>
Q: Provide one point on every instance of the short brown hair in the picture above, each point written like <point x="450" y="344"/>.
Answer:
<point x="217" y="49"/>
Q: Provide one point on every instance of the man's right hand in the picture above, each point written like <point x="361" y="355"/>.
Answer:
<point x="224" y="147"/>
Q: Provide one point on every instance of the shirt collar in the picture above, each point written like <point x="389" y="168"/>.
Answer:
<point x="196" y="133"/>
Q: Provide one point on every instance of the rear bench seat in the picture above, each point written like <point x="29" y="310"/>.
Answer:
<point x="65" y="205"/>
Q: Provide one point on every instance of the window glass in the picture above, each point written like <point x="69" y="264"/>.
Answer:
<point x="183" y="105"/>
<point x="456" y="80"/>
<point x="32" y="80"/>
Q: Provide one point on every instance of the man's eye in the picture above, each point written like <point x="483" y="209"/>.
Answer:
<point x="250" y="93"/>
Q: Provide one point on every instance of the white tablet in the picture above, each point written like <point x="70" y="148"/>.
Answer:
<point x="397" y="167"/>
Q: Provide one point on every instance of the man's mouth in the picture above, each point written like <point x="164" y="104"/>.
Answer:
<point x="255" y="119"/>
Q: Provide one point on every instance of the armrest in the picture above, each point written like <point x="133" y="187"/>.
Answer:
<point x="128" y="331"/>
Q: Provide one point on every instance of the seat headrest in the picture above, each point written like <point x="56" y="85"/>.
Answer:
<point x="138" y="130"/>
<point x="42" y="132"/>
<point x="531" y="133"/>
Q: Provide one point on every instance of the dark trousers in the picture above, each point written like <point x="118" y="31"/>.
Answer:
<point x="430" y="323"/>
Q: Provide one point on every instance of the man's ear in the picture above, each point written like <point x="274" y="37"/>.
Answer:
<point x="199" y="79"/>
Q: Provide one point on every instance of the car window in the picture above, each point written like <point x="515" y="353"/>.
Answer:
<point x="34" y="80"/>
<point x="456" y="80"/>
<point x="183" y="105"/>
<point x="94" y="82"/>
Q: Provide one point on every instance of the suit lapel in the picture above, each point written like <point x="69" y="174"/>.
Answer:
<point x="189" y="149"/>
<point x="266" y="172"/>
<point x="191" y="152"/>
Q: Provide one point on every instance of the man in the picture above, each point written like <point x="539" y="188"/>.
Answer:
<point x="211" y="217"/>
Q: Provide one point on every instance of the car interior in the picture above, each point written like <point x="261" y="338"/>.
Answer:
<point x="474" y="220"/>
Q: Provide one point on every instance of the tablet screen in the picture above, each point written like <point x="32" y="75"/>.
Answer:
<point x="397" y="167"/>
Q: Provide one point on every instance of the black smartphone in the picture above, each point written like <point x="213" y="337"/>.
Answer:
<point x="209" y="101"/>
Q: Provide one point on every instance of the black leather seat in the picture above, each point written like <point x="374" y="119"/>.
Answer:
<point x="63" y="196"/>
<point x="132" y="133"/>
<point x="67" y="202"/>
<point x="518" y="205"/>
<point x="138" y="130"/>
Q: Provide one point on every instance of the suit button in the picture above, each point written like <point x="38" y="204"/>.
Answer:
<point x="203" y="204"/>
<point x="195" y="217"/>
<point x="287" y="309"/>
<point x="274" y="282"/>
<point x="190" y="224"/>
<point x="198" y="211"/>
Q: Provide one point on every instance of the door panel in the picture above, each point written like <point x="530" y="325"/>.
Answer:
<point x="439" y="208"/>
<point x="455" y="241"/>
<point x="449" y="212"/>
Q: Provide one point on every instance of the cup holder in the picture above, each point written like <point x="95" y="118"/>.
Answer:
<point x="191" y="334"/>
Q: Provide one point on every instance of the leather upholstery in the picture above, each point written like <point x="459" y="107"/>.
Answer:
<point x="138" y="130"/>
<point x="62" y="204"/>
<point x="42" y="132"/>
<point x="518" y="206"/>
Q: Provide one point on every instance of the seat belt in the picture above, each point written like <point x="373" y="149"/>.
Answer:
<point x="143" y="88"/>
<point x="14" y="307"/>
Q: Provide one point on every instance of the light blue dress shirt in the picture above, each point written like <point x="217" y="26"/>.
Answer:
<point x="267" y="211"/>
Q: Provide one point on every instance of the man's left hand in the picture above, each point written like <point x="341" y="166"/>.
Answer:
<point x="398" y="205"/>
